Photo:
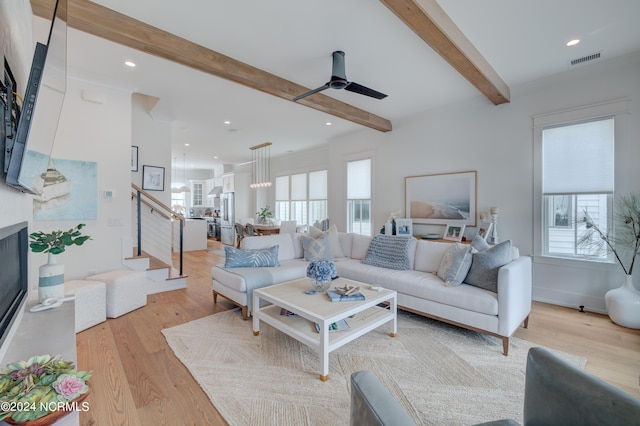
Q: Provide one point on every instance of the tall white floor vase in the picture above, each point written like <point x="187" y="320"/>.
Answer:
<point x="51" y="279"/>
<point x="623" y="304"/>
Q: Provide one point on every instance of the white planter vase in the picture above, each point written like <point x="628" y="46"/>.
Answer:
<point x="51" y="280"/>
<point x="623" y="304"/>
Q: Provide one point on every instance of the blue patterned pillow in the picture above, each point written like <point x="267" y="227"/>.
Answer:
<point x="317" y="248"/>
<point x="239" y="258"/>
<point x="388" y="251"/>
<point x="455" y="265"/>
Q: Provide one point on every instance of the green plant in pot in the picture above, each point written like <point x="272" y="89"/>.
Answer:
<point x="623" y="242"/>
<point x="51" y="277"/>
<point x="264" y="213"/>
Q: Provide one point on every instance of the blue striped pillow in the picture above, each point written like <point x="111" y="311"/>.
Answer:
<point x="252" y="258"/>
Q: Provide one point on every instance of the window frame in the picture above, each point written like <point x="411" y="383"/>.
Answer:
<point x="618" y="109"/>
<point x="350" y="202"/>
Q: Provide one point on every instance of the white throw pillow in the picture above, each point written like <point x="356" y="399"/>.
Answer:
<point x="334" y="239"/>
<point x="455" y="265"/>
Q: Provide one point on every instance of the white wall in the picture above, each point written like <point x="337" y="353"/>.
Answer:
<point x="495" y="141"/>
<point x="98" y="132"/>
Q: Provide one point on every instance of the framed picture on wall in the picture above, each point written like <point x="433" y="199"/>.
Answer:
<point x="453" y="232"/>
<point x="153" y="178"/>
<point x="134" y="158"/>
<point x="404" y="227"/>
<point x="442" y="199"/>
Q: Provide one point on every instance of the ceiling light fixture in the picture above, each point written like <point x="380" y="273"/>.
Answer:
<point x="184" y="187"/>
<point x="328" y="123"/>
<point x="261" y="165"/>
<point x="573" y="42"/>
<point x="130" y="64"/>
<point x="227" y="122"/>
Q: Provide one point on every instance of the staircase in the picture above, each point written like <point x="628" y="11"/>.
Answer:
<point x="153" y="243"/>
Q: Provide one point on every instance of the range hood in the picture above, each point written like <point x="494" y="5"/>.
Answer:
<point x="215" y="192"/>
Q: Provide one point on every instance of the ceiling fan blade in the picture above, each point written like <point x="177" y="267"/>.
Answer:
<point x="357" y="88"/>
<point x="311" y="92"/>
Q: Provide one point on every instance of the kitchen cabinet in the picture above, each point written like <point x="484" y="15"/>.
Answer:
<point x="198" y="196"/>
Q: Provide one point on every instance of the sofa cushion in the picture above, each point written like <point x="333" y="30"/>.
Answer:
<point x="429" y="255"/>
<point x="485" y="265"/>
<point x="286" y="250"/>
<point x="317" y="248"/>
<point x="455" y="265"/>
<point x="359" y="246"/>
<point x="253" y="258"/>
<point x="387" y="251"/>
<point x="478" y="243"/>
<point x="334" y="239"/>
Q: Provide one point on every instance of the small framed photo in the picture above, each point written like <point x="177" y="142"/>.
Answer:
<point x="484" y="230"/>
<point x="134" y="158"/>
<point x="153" y="178"/>
<point x="453" y="232"/>
<point x="404" y="227"/>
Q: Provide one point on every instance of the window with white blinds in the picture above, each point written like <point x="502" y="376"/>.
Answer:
<point x="302" y="197"/>
<point x="359" y="196"/>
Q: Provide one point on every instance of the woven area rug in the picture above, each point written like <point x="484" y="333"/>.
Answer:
<point x="441" y="374"/>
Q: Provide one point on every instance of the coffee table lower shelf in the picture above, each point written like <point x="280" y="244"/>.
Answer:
<point x="361" y="317"/>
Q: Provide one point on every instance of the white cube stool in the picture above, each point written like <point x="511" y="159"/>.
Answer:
<point x="91" y="302"/>
<point x="126" y="290"/>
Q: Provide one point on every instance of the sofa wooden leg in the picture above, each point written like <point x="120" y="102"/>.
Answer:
<point x="526" y="322"/>
<point x="245" y="313"/>
<point x="215" y="297"/>
<point x="505" y="346"/>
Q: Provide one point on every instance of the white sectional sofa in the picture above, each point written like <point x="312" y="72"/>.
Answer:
<point x="419" y="289"/>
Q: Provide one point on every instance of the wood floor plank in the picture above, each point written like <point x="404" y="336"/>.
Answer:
<point x="138" y="380"/>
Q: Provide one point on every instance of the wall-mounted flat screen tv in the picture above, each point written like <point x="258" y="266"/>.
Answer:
<point x="27" y="150"/>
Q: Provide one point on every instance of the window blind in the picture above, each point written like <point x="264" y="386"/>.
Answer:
<point x="578" y="158"/>
<point x="359" y="179"/>
<point x="318" y="185"/>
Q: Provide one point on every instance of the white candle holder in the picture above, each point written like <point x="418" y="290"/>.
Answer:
<point x="493" y="238"/>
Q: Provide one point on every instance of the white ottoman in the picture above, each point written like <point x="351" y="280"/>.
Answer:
<point x="91" y="302"/>
<point x="126" y="290"/>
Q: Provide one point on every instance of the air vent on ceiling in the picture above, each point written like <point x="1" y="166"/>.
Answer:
<point x="585" y="59"/>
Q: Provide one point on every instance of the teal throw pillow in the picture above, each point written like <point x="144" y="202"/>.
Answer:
<point x="317" y="248"/>
<point x="250" y="258"/>
<point x="485" y="265"/>
<point x="455" y="265"/>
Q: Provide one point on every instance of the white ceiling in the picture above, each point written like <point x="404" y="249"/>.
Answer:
<point x="522" y="40"/>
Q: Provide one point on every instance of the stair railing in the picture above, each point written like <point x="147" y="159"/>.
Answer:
<point x="155" y="206"/>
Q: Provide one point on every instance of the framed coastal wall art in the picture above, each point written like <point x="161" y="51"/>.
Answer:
<point x="442" y="199"/>
<point x="153" y="178"/>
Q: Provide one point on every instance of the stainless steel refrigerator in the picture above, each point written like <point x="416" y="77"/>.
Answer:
<point x="227" y="218"/>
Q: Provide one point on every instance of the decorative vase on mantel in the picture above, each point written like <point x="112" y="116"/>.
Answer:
<point x="51" y="279"/>
<point x="623" y="304"/>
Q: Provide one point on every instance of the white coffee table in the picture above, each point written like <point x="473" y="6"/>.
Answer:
<point x="362" y="316"/>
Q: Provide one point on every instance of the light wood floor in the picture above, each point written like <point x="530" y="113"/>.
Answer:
<point x="138" y="381"/>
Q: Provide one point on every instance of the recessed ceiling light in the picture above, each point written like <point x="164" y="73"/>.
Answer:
<point x="186" y="144"/>
<point x="130" y="64"/>
<point x="227" y="122"/>
<point x="573" y="42"/>
<point x="328" y="123"/>
<point x="215" y="157"/>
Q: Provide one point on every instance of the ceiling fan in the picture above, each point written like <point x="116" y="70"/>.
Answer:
<point x="339" y="81"/>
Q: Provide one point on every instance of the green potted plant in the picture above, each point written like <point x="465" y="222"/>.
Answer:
<point x="264" y="213"/>
<point x="51" y="277"/>
<point x="623" y="242"/>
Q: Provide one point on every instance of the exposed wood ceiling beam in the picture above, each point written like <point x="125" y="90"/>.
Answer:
<point x="427" y="19"/>
<point x="100" y="21"/>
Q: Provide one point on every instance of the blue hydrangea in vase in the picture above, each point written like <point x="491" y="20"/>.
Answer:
<point x="321" y="273"/>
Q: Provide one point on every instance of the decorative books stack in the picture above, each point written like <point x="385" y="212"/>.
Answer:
<point x="335" y="296"/>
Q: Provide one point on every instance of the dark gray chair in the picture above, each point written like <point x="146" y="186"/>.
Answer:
<point x="372" y="404"/>
<point x="556" y="394"/>
<point x="251" y="230"/>
<point x="240" y="233"/>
